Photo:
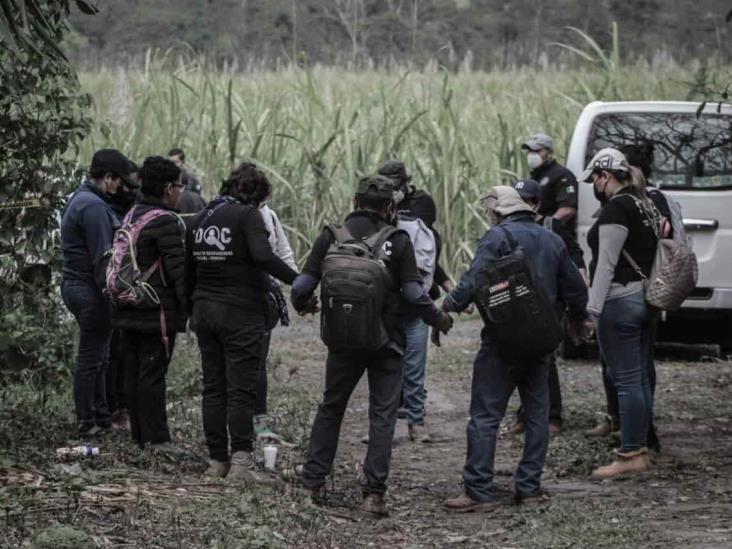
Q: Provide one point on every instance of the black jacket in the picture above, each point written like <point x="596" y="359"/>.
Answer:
<point x="573" y="247"/>
<point x="558" y="189"/>
<point x="161" y="238"/>
<point x="229" y="258"/>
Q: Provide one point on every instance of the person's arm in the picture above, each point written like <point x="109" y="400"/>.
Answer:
<point x="283" y="248"/>
<point x="260" y="250"/>
<point x="463" y="294"/>
<point x="571" y="288"/>
<point x="612" y="237"/>
<point x="307" y="281"/>
<point x="191" y="272"/>
<point x="170" y="241"/>
<point x="100" y="223"/>
<point x="566" y="189"/>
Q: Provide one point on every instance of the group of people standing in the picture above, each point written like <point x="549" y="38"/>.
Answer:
<point x="221" y="271"/>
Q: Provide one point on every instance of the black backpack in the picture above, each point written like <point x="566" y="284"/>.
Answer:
<point x="354" y="291"/>
<point x="518" y="317"/>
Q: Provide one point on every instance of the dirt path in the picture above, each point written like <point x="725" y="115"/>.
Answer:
<point x="685" y="502"/>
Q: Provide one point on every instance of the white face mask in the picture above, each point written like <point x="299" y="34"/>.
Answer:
<point x="534" y="160"/>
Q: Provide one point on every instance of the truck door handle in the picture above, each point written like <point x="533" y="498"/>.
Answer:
<point x="701" y="224"/>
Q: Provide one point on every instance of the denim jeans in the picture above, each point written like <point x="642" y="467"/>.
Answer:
<point x="414" y="365"/>
<point x="342" y="373"/>
<point x="493" y="384"/>
<point x="91" y="311"/>
<point x="625" y="332"/>
<point x="555" y="395"/>
<point x="231" y="342"/>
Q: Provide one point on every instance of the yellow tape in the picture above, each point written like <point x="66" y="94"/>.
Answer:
<point x="30" y="203"/>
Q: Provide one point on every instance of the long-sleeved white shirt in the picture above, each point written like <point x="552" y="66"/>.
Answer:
<point x="278" y="237"/>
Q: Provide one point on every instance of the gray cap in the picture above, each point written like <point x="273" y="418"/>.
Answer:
<point x="608" y="159"/>
<point x="528" y="189"/>
<point x="394" y="169"/>
<point x="377" y="186"/>
<point x="537" y="142"/>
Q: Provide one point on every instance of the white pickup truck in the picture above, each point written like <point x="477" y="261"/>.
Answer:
<point x="693" y="165"/>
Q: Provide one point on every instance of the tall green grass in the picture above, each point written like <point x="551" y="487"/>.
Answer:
<point x="316" y="130"/>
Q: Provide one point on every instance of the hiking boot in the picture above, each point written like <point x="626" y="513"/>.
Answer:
<point x="121" y="420"/>
<point x="373" y="504"/>
<point x="531" y="501"/>
<point x="626" y="462"/>
<point x="603" y="429"/>
<point x="217" y="468"/>
<point x="517" y="429"/>
<point x="465" y="504"/>
<point x="554" y="428"/>
<point x="418" y="433"/>
<point x="243" y="467"/>
<point x="85" y="430"/>
<point x="402" y="413"/>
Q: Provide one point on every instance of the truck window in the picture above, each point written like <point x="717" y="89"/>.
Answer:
<point x="689" y="153"/>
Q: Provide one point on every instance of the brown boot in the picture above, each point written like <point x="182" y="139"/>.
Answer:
<point x="626" y="462"/>
<point x="418" y="433"/>
<point x="373" y="504"/>
<point x="465" y="504"/>
<point x="603" y="429"/>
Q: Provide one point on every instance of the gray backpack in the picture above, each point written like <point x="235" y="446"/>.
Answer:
<point x="675" y="271"/>
<point x="354" y="291"/>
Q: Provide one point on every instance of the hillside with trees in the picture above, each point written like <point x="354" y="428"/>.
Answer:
<point x="484" y="34"/>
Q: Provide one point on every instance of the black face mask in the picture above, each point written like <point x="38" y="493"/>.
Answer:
<point x="600" y="195"/>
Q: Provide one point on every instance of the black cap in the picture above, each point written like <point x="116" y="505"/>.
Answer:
<point x="528" y="189"/>
<point x="113" y="161"/>
<point x="394" y="169"/>
<point x="377" y="186"/>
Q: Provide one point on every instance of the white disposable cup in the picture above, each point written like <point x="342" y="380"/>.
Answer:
<point x="270" y="457"/>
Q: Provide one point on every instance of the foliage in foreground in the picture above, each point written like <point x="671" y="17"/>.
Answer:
<point x="43" y="116"/>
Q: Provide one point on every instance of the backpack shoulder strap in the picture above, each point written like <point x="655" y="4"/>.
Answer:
<point x="510" y="239"/>
<point x="340" y="233"/>
<point x="376" y="240"/>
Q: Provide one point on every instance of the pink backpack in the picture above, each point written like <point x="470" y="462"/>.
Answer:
<point x="127" y="285"/>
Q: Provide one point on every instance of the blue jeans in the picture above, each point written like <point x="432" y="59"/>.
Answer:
<point x="91" y="311"/>
<point x="493" y="384"/>
<point x="414" y="365"/>
<point x="625" y="334"/>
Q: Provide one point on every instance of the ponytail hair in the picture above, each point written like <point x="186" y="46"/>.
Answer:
<point x="638" y="181"/>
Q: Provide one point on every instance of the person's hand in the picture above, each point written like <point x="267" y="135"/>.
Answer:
<point x="470" y="309"/>
<point x="312" y="306"/>
<point x="435" y="337"/>
<point x="445" y="323"/>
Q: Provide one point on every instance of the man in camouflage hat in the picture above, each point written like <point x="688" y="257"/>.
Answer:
<point x="370" y="224"/>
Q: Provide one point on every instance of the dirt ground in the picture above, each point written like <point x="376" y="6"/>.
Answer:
<point x="127" y="498"/>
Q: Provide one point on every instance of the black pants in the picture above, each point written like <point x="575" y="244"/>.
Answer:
<point x="260" y="406"/>
<point x="146" y="364"/>
<point x="342" y="373"/>
<point x="555" y="395"/>
<point x="231" y="342"/>
<point x="115" y="375"/>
